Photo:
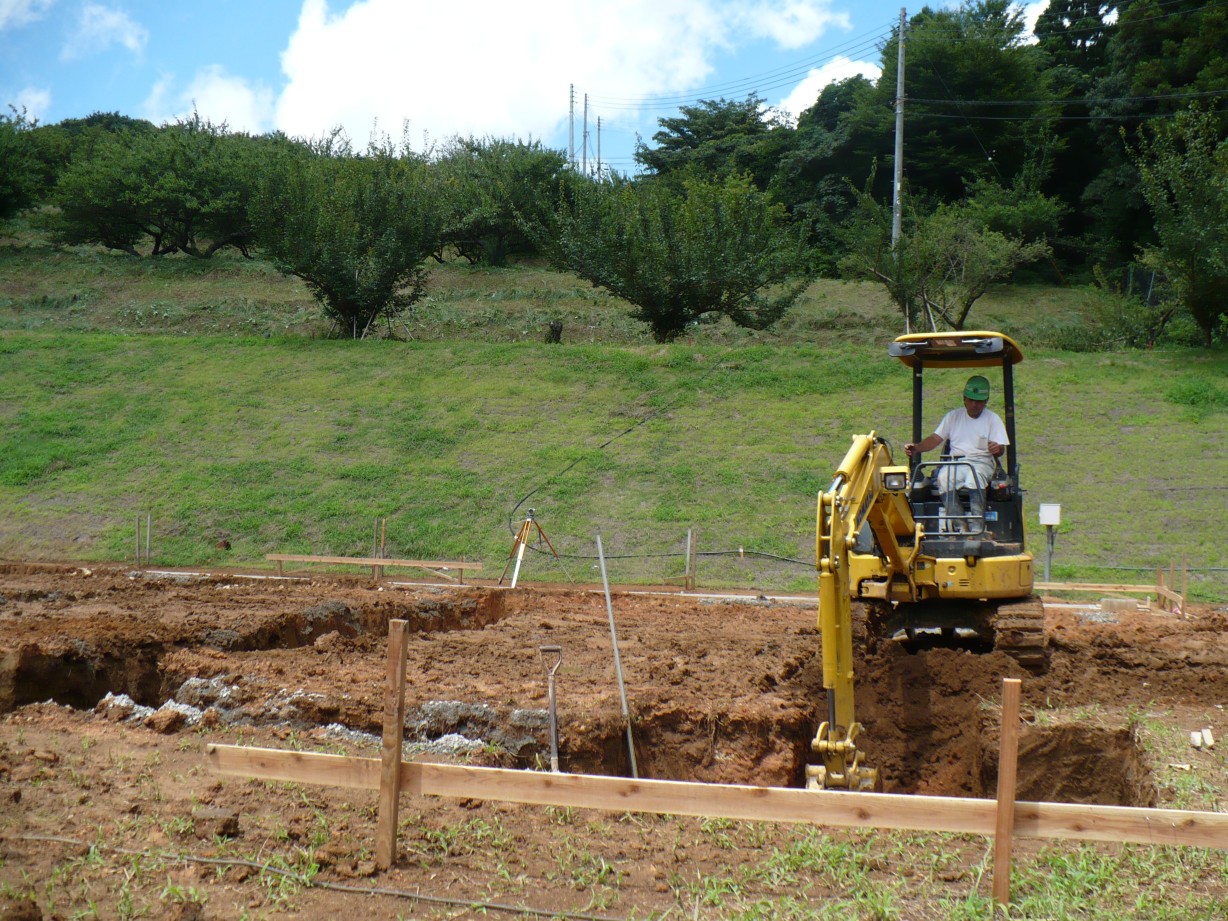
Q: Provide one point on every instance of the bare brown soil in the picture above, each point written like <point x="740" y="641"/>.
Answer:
<point x="720" y="690"/>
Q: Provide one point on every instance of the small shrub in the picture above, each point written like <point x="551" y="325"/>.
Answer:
<point x="1199" y="394"/>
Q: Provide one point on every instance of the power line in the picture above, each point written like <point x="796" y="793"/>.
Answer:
<point x="1124" y="117"/>
<point x="1088" y="100"/>
<point x="771" y="79"/>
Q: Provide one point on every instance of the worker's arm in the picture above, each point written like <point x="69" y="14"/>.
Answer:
<point x="920" y="447"/>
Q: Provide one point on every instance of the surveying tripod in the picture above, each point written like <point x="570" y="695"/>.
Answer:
<point x="519" y="545"/>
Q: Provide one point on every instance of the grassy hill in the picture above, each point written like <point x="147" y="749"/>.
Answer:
<point x="205" y="395"/>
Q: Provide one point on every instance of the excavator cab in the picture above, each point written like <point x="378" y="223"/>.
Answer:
<point x="894" y="559"/>
<point x="990" y="523"/>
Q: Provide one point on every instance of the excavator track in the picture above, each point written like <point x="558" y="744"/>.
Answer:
<point x="1019" y="631"/>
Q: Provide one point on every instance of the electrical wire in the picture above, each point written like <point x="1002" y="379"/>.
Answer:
<point x="771" y="79"/>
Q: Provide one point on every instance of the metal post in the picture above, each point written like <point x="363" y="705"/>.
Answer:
<point x="618" y="662"/>
<point x="1050" y="536"/>
<point x="690" y="579"/>
<point x="148" y="527"/>
<point x="897" y="205"/>
<point x="551" y="669"/>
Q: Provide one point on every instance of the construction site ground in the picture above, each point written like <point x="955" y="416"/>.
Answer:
<point x="112" y="681"/>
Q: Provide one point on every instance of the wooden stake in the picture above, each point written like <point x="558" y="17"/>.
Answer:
<point x="1008" y="764"/>
<point x="1185" y="581"/>
<point x="394" y="734"/>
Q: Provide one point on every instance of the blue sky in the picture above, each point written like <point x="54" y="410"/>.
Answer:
<point x="429" y="71"/>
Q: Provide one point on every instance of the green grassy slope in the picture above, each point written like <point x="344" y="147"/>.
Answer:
<point x="298" y="445"/>
<point x="204" y="393"/>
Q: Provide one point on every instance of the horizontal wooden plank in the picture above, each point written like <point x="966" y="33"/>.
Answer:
<point x="1122" y="824"/>
<point x="1092" y="587"/>
<point x="672" y="797"/>
<point x="758" y="804"/>
<point x="298" y="767"/>
<point x="370" y="561"/>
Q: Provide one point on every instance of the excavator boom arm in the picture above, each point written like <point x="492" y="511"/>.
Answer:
<point x="866" y="489"/>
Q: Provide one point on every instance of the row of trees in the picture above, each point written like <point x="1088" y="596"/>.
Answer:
<point x="1076" y="151"/>
<point x="360" y="227"/>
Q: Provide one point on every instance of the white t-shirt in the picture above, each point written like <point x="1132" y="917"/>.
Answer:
<point x="970" y="437"/>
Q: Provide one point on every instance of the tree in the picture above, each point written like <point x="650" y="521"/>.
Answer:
<point x="356" y="228"/>
<point x="945" y="259"/>
<point x="494" y="186"/>
<point x="185" y="188"/>
<point x="1160" y="52"/>
<point x="1183" y="165"/>
<point x="974" y="89"/>
<point x="19" y="173"/>
<point x="812" y="177"/>
<point x="1075" y="36"/>
<point x="710" y="248"/>
<point x="56" y="145"/>
<point x="718" y="138"/>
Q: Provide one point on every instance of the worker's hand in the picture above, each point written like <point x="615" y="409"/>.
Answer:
<point x="909" y="447"/>
<point x="995" y="449"/>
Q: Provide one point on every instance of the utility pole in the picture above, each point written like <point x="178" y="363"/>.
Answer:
<point x="897" y="204"/>
<point x="584" y="143"/>
<point x="598" y="146"/>
<point x="571" y="129"/>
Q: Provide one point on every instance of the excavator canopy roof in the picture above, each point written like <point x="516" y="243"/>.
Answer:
<point x="977" y="349"/>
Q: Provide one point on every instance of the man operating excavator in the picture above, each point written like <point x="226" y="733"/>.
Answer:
<point x="977" y="437"/>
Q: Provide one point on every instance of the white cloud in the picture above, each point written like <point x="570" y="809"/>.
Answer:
<point x="1031" y="13"/>
<point x="35" y="101"/>
<point x="98" y="28"/>
<point x="505" y="69"/>
<point x="15" y="13"/>
<point x="216" y="96"/>
<point x="807" y="92"/>
<point x="794" y="24"/>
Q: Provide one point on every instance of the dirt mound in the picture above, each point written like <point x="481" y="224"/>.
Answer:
<point x="723" y="690"/>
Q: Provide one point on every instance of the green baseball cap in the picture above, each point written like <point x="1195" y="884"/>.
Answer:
<point x="977" y="388"/>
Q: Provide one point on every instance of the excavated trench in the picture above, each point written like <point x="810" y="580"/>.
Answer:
<point x="725" y="694"/>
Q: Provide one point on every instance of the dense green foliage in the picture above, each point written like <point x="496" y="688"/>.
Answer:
<point x="709" y="249"/>
<point x="495" y="187"/>
<point x="1184" y="171"/>
<point x="946" y="259"/>
<point x="356" y="229"/>
<point x="1014" y="150"/>
<point x="18" y="166"/>
<point x="185" y="189"/>
<point x="717" y="139"/>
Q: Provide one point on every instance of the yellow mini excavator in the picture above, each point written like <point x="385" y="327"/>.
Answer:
<point x="892" y="552"/>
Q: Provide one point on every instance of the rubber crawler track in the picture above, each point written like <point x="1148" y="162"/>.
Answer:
<point x="1019" y="631"/>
